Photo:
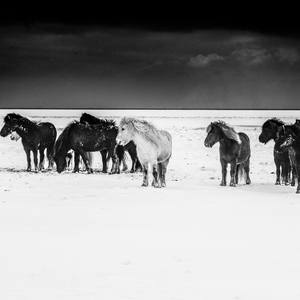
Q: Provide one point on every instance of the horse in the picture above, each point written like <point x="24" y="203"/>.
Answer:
<point x="153" y="146"/>
<point x="130" y="147"/>
<point x="234" y="150"/>
<point x="291" y="140"/>
<point x="282" y="133"/>
<point x="83" y="138"/>
<point x="36" y="137"/>
<point x="281" y="158"/>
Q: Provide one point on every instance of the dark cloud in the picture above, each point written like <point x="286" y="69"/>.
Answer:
<point x="252" y="56"/>
<point x="204" y="60"/>
<point x="113" y="67"/>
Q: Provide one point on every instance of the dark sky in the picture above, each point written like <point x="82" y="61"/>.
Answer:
<point x="93" y="62"/>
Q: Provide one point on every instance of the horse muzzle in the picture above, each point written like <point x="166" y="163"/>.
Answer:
<point x="208" y="145"/>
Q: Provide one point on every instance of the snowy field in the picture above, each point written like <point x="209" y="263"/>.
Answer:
<point x="99" y="236"/>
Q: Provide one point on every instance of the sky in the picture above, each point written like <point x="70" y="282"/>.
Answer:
<point x="55" y="65"/>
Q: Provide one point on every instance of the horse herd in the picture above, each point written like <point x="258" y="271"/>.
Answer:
<point x="149" y="148"/>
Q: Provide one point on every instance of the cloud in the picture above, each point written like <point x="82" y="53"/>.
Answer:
<point x="290" y="55"/>
<point x="252" y="56"/>
<point x="203" y="60"/>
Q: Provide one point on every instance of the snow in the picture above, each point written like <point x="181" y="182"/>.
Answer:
<point x="100" y="236"/>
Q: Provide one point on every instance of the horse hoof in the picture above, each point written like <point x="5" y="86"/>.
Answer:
<point x="298" y="192"/>
<point x="293" y="184"/>
<point x="277" y="183"/>
<point x="156" y="184"/>
<point x="222" y="184"/>
<point x="145" y="184"/>
<point x="232" y="184"/>
<point x="248" y="181"/>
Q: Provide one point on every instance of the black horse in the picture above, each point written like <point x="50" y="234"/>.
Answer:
<point x="234" y="150"/>
<point x="130" y="147"/>
<point x="35" y="137"/>
<point x="82" y="138"/>
<point x="282" y="133"/>
<point x="290" y="139"/>
<point x="281" y="158"/>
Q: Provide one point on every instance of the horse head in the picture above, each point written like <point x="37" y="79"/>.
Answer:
<point x="61" y="148"/>
<point x="11" y="123"/>
<point x="270" y="130"/>
<point x="213" y="135"/>
<point x="125" y="131"/>
<point x="60" y="160"/>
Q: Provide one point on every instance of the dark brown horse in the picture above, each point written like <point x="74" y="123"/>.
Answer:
<point x="290" y="139"/>
<point x="83" y="138"/>
<point x="130" y="147"/>
<point x="281" y="158"/>
<point x="36" y="137"/>
<point x="234" y="150"/>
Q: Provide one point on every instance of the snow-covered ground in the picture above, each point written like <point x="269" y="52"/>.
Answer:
<point x="100" y="236"/>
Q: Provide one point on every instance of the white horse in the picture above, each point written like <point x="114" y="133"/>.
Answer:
<point x="154" y="147"/>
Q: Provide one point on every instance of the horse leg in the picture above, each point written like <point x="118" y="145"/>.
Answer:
<point x="298" y="173"/>
<point x="49" y="153"/>
<point x="35" y="159"/>
<point x="232" y="173"/>
<point x="162" y="170"/>
<point x="247" y="171"/>
<point x="133" y="157"/>
<point x="104" y="161"/>
<point x="277" y="164"/>
<point x="125" y="166"/>
<point x="155" y="181"/>
<point x="76" y="162"/>
<point x="145" y="179"/>
<point x="224" y="172"/>
<point x="27" y="151"/>
<point x="120" y="152"/>
<point x="285" y="172"/>
<point x="42" y="157"/>
<point x="115" y="168"/>
<point x="240" y="166"/>
<point x="294" y="175"/>
<point x="86" y="161"/>
<point x="293" y="166"/>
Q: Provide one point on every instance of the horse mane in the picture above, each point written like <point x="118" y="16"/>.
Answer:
<point x="61" y="142"/>
<point x="143" y="127"/>
<point x="229" y="131"/>
<point x="20" y="118"/>
<point x="92" y="120"/>
<point x="276" y="121"/>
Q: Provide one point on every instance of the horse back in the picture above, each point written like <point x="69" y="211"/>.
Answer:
<point x="47" y="132"/>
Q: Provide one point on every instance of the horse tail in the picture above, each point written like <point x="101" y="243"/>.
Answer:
<point x="241" y="172"/>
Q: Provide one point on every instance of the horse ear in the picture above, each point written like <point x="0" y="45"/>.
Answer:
<point x="209" y="127"/>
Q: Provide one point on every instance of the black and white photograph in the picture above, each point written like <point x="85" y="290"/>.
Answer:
<point x="149" y="157"/>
